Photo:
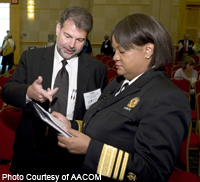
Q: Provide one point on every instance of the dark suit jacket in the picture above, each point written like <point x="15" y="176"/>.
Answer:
<point x="30" y="137"/>
<point x="106" y="48"/>
<point x="190" y="51"/>
<point x="139" y="131"/>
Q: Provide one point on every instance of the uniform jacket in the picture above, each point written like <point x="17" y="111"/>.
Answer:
<point x="136" y="136"/>
<point x="39" y="62"/>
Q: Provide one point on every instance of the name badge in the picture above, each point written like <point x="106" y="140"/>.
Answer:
<point x="91" y="97"/>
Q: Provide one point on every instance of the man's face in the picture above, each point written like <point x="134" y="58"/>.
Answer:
<point x="106" y="37"/>
<point x="70" y="39"/>
<point x="186" y="37"/>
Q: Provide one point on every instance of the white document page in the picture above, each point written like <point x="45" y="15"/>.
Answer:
<point x="51" y="120"/>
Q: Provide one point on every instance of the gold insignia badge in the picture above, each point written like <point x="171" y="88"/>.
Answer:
<point x="132" y="103"/>
<point x="131" y="176"/>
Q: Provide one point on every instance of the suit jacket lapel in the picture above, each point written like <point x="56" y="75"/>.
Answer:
<point x="46" y="67"/>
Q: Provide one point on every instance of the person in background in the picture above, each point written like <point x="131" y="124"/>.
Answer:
<point x="106" y="47"/>
<point x="135" y="130"/>
<point x="187" y="71"/>
<point x="6" y="37"/>
<point x="8" y="59"/>
<point x="185" y="47"/>
<point x="87" y="48"/>
<point x="35" y="147"/>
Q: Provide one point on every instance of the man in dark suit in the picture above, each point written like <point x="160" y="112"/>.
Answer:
<point x="106" y="46"/>
<point x="35" y="151"/>
<point x="185" y="47"/>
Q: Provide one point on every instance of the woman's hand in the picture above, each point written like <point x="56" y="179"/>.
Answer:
<point x="77" y="144"/>
<point x="61" y="118"/>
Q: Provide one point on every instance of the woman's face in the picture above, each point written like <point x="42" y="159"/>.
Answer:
<point x="133" y="62"/>
<point x="189" y="67"/>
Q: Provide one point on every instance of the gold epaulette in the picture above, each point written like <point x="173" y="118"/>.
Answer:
<point x="112" y="162"/>
<point x="79" y="122"/>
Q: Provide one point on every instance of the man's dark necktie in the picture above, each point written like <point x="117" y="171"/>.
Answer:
<point x="60" y="98"/>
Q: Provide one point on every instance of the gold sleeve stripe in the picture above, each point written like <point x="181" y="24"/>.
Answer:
<point x="79" y="125"/>
<point x="117" y="165"/>
<point x="107" y="160"/>
<point x="123" y="168"/>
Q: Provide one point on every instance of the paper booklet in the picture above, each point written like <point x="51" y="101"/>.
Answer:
<point x="51" y="120"/>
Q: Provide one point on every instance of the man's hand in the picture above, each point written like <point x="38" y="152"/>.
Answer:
<point x="36" y="91"/>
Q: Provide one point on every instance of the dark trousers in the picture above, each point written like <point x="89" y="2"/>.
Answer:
<point x="7" y="60"/>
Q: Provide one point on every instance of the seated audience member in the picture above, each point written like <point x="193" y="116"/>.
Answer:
<point x="187" y="71"/>
<point x="133" y="133"/>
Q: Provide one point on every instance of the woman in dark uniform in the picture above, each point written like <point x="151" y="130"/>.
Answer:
<point x="133" y="133"/>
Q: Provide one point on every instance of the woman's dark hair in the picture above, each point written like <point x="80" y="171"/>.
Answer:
<point x="80" y="16"/>
<point x="188" y="60"/>
<point x="140" y="29"/>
